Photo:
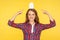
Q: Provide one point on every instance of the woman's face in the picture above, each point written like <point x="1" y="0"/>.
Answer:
<point x="31" y="15"/>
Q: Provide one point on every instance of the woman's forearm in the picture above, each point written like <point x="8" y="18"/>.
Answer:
<point x="13" y="18"/>
<point x="46" y="12"/>
<point x="50" y="17"/>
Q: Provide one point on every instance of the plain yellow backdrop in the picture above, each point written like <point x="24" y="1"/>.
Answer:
<point x="8" y="8"/>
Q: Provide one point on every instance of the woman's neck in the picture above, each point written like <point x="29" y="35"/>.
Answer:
<point x="31" y="22"/>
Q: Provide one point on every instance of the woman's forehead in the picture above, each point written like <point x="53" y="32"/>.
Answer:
<point x="30" y="11"/>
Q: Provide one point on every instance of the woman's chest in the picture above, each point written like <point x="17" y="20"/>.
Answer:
<point x="32" y="29"/>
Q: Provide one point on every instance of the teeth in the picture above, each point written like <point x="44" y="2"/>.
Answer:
<point x="31" y="5"/>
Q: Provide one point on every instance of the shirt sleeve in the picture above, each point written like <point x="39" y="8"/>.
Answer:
<point x="16" y="25"/>
<point x="50" y="25"/>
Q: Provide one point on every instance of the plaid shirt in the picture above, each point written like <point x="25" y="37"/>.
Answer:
<point x="26" y="27"/>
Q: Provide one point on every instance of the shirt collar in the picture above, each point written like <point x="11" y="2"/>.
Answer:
<point x="30" y="24"/>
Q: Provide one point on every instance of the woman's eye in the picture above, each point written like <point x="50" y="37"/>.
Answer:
<point x="28" y="14"/>
<point x="32" y="14"/>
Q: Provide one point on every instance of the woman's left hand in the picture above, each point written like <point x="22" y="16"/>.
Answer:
<point x="45" y="12"/>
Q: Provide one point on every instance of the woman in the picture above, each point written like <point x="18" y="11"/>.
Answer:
<point x="31" y="27"/>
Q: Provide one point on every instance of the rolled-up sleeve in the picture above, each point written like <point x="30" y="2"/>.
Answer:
<point x="16" y="25"/>
<point x="50" y="25"/>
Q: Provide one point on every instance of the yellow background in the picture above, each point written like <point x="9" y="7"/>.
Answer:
<point x="8" y="8"/>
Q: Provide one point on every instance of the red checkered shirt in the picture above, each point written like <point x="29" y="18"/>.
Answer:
<point x="26" y="28"/>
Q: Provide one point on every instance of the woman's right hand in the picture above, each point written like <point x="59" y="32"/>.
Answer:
<point x="19" y="12"/>
<point x="13" y="18"/>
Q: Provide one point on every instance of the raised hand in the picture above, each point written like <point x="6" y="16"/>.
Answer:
<point x="19" y="12"/>
<point x="13" y="18"/>
<point x="46" y="12"/>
